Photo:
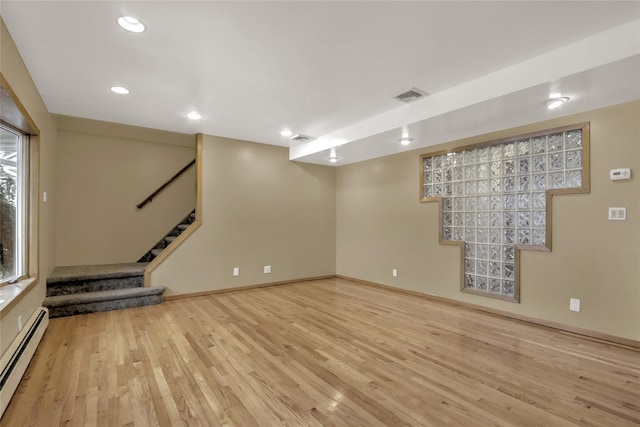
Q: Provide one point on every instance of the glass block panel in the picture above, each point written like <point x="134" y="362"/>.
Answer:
<point x="495" y="235"/>
<point x="437" y="176"/>
<point x="469" y="281"/>
<point x="470" y="250"/>
<point x="446" y="175"/>
<point x="446" y="189"/>
<point x="470" y="188"/>
<point x="539" y="200"/>
<point x="539" y="219"/>
<point x="481" y="283"/>
<point x="556" y="180"/>
<point x="482" y="235"/>
<point x="469" y="172"/>
<point x="458" y="203"/>
<point x="482" y="251"/>
<point x="447" y="233"/>
<point x="469" y="265"/>
<point x="428" y="191"/>
<point x="495" y="219"/>
<point x="509" y="150"/>
<point x="523" y="147"/>
<point x="556" y="142"/>
<point x="509" y="201"/>
<point x="574" y="179"/>
<point x="496" y="169"/>
<point x="524" y="237"/>
<point x="447" y="204"/>
<point x="573" y="139"/>
<point x="447" y="220"/>
<point x="482" y="171"/>
<point x="458" y="233"/>
<point x="556" y="161"/>
<point x="428" y="177"/>
<point x="507" y="287"/>
<point x="539" y="145"/>
<point x="469" y="234"/>
<point x="494" y="285"/>
<point x="458" y="173"/>
<point x="483" y="154"/>
<point x="508" y="167"/>
<point x="470" y="203"/>
<point x="427" y="162"/>
<point x="539" y="237"/>
<point x="524" y="200"/>
<point x="509" y="236"/>
<point x="483" y="187"/>
<point x="469" y="219"/>
<point x="495" y="268"/>
<point x="508" y="254"/>
<point x="509" y="218"/>
<point x="540" y="182"/>
<point x="524" y="219"/>
<point x="458" y="188"/>
<point x="437" y="162"/>
<point x="437" y="190"/>
<point x="539" y="163"/>
<point x="481" y="267"/>
<point x="469" y="157"/>
<point x="483" y="219"/>
<point x="495" y="253"/>
<point x="458" y="219"/>
<point x="523" y="183"/>
<point x="523" y="166"/>
<point x="495" y="202"/>
<point x="495" y="152"/>
<point x="509" y="184"/>
<point x="508" y="270"/>
<point x="573" y="159"/>
<point x="482" y="203"/>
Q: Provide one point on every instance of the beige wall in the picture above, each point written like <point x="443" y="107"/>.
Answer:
<point x="102" y="171"/>
<point x="258" y="209"/>
<point x="381" y="226"/>
<point x="18" y="78"/>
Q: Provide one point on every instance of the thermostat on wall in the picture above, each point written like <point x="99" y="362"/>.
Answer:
<point x="622" y="173"/>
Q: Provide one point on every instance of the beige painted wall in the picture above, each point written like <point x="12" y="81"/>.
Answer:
<point x="15" y="72"/>
<point x="381" y="226"/>
<point x="258" y="209"/>
<point x="102" y="171"/>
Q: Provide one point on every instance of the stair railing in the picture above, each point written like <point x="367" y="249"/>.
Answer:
<point x="165" y="185"/>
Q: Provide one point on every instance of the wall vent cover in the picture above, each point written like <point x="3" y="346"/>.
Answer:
<point x="301" y="138"/>
<point x="411" y="95"/>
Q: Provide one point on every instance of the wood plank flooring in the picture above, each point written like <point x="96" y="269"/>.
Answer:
<point x="321" y="353"/>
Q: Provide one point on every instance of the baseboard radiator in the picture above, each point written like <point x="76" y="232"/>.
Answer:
<point x="16" y="359"/>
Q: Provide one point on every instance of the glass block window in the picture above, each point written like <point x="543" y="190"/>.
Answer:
<point x="495" y="200"/>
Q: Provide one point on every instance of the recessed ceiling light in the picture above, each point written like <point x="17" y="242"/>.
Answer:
<point x="405" y="140"/>
<point x="194" y="115"/>
<point x="333" y="157"/>
<point x="132" y="24"/>
<point x="120" y="90"/>
<point x="286" y="133"/>
<point x="556" y="102"/>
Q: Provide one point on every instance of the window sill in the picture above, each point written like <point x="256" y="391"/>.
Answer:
<point x="11" y="294"/>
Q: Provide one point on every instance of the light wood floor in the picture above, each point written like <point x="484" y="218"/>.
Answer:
<point x="320" y="353"/>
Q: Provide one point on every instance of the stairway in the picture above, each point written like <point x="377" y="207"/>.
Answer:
<point x="169" y="237"/>
<point x="93" y="288"/>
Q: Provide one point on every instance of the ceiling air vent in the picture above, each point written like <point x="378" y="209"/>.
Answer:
<point x="301" y="138"/>
<point x="411" y="95"/>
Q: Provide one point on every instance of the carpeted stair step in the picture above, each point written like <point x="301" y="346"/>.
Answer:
<point x="183" y="227"/>
<point x="156" y="252"/>
<point x="91" y="302"/>
<point x="92" y="278"/>
<point x="170" y="239"/>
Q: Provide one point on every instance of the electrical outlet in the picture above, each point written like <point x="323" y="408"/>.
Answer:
<point x="617" y="214"/>
<point x="394" y="272"/>
<point x="236" y="271"/>
<point x="267" y="269"/>
<point x="574" y="304"/>
<point x="19" y="323"/>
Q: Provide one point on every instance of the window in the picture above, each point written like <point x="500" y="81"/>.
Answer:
<point x="13" y="203"/>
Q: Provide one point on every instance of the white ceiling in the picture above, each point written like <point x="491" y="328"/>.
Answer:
<point x="329" y="69"/>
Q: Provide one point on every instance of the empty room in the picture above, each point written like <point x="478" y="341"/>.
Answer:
<point x="317" y="213"/>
